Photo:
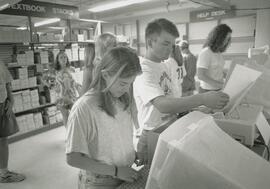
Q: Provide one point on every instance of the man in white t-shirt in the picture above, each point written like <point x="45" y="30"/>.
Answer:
<point x="153" y="89"/>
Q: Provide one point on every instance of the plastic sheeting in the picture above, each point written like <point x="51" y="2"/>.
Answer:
<point x="195" y="153"/>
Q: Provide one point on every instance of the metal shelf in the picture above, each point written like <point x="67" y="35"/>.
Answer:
<point x="23" y="135"/>
<point x="16" y="90"/>
<point x="39" y="107"/>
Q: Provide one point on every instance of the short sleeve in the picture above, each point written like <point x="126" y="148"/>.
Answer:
<point x="146" y="86"/>
<point x="204" y="59"/>
<point x="78" y="131"/>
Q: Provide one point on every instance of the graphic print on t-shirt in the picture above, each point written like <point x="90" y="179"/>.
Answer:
<point x="165" y="83"/>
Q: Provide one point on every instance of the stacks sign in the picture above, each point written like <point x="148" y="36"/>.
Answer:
<point x="42" y="9"/>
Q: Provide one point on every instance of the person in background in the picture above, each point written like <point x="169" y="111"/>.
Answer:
<point x="210" y="61"/>
<point x="99" y="133"/>
<point x="153" y="88"/>
<point x="66" y="87"/>
<point x="6" y="113"/>
<point x="104" y="42"/>
<point x="188" y="84"/>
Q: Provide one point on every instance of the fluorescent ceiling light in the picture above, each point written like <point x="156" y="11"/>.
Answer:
<point x="57" y="28"/>
<point x="115" y="4"/>
<point x="42" y="23"/>
<point x="4" y="6"/>
<point x="48" y="21"/>
<point x="90" y="20"/>
<point x="21" y="28"/>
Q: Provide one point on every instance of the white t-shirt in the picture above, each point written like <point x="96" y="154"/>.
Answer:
<point x="5" y="78"/>
<point x="214" y="62"/>
<point x="154" y="81"/>
<point x="93" y="132"/>
<point x="177" y="73"/>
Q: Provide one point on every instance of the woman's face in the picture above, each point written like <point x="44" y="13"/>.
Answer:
<point x="120" y="86"/>
<point x="226" y="42"/>
<point x="62" y="59"/>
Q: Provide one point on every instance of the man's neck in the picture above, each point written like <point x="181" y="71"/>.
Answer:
<point x="150" y="56"/>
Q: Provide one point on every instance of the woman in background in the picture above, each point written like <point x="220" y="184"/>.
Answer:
<point x="66" y="87"/>
<point x="210" y="61"/>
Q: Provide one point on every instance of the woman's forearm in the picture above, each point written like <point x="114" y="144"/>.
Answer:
<point x="81" y="161"/>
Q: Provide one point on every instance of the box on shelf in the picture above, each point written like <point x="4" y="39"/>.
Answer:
<point x="23" y="73"/>
<point x="21" y="59"/>
<point x="32" y="81"/>
<point x="30" y="121"/>
<point x="38" y="120"/>
<point x="16" y="84"/>
<point x="52" y="119"/>
<point x="59" y="117"/>
<point x="21" y="120"/>
<point x="24" y="83"/>
<point x="18" y="102"/>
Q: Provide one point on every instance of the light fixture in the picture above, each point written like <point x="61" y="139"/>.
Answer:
<point x="90" y="20"/>
<point x="115" y="4"/>
<point x="21" y="28"/>
<point x="42" y="23"/>
<point x="56" y="28"/>
<point x="48" y="21"/>
<point x="2" y="7"/>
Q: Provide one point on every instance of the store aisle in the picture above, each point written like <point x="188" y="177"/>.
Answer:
<point x="42" y="159"/>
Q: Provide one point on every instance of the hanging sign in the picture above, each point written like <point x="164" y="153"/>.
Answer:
<point x="210" y="14"/>
<point x="42" y="9"/>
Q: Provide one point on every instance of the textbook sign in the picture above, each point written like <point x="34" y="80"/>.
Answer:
<point x="42" y="9"/>
<point x="210" y="14"/>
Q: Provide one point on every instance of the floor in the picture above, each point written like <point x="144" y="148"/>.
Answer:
<point x="41" y="159"/>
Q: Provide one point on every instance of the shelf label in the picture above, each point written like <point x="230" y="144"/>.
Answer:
<point x="42" y="9"/>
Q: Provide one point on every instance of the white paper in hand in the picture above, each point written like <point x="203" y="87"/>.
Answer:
<point x="241" y="78"/>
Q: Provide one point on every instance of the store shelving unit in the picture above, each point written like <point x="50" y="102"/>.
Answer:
<point x="23" y="135"/>
<point x="35" y="108"/>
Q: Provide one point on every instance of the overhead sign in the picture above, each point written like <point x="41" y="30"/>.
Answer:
<point x="210" y="14"/>
<point x="42" y="9"/>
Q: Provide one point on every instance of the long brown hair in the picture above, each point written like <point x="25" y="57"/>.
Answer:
<point x="216" y="37"/>
<point x="118" y="62"/>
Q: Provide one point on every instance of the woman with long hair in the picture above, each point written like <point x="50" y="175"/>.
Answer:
<point x="210" y="61"/>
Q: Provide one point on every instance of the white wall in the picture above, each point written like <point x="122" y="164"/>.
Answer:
<point x="262" y="36"/>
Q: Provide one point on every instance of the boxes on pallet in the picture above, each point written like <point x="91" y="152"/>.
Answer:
<point x="38" y="120"/>
<point x="32" y="81"/>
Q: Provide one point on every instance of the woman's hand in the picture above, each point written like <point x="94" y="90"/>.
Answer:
<point x="127" y="174"/>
